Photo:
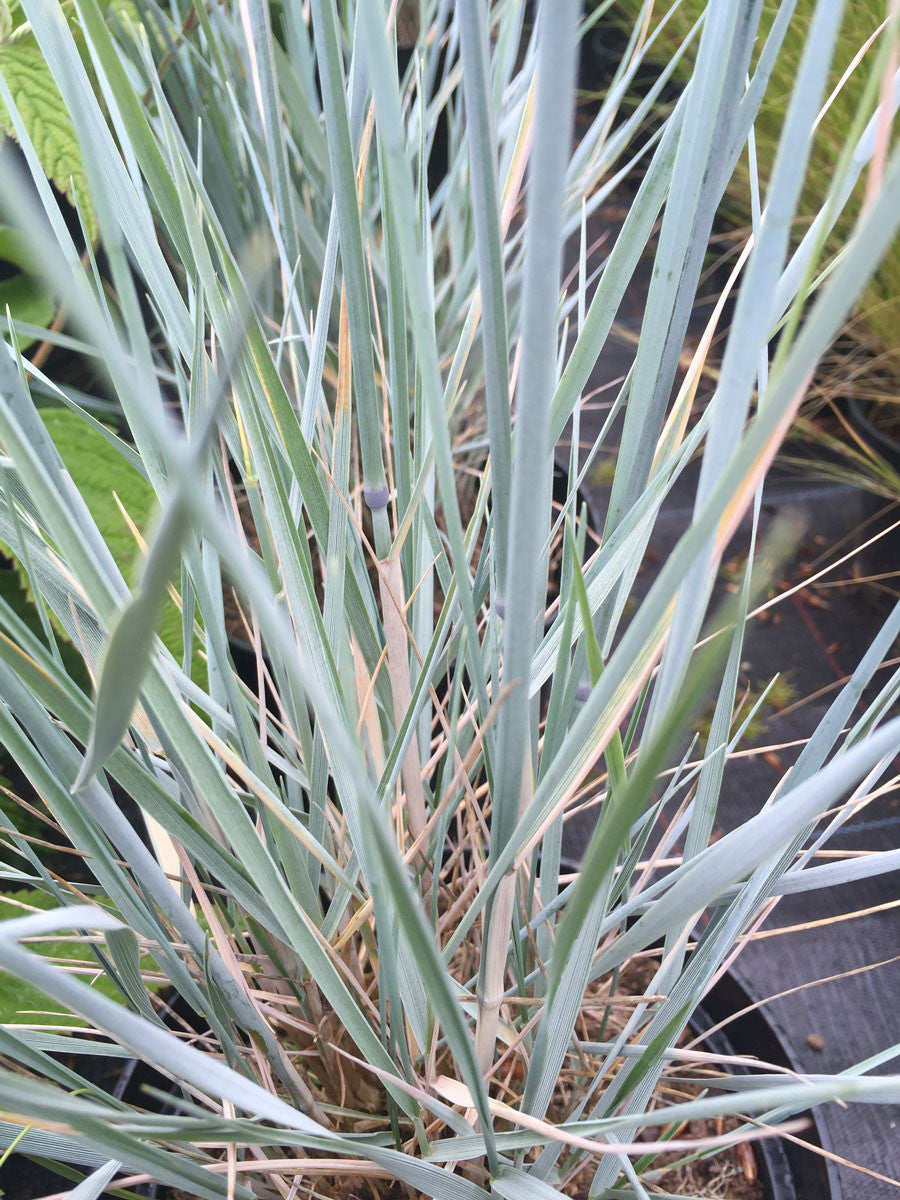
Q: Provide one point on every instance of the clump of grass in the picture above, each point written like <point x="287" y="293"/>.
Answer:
<point x="347" y="862"/>
<point x="864" y="30"/>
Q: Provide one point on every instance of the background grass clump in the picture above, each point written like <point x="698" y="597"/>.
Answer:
<point x="879" y="306"/>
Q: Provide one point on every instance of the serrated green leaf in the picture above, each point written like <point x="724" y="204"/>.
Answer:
<point x="49" y="125"/>
<point x="101" y="474"/>
<point x="99" y="471"/>
<point x="5" y="21"/>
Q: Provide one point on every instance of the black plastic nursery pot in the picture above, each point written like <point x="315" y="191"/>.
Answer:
<point x="885" y="441"/>
<point x="878" y="511"/>
<point x="784" y="1169"/>
<point x="23" y="1177"/>
<point x="788" y="1169"/>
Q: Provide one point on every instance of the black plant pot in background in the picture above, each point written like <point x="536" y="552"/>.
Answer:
<point x="879" y="512"/>
<point x="887" y="445"/>
<point x="24" y="1178"/>
<point x="243" y="656"/>
<point x="787" y="1171"/>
